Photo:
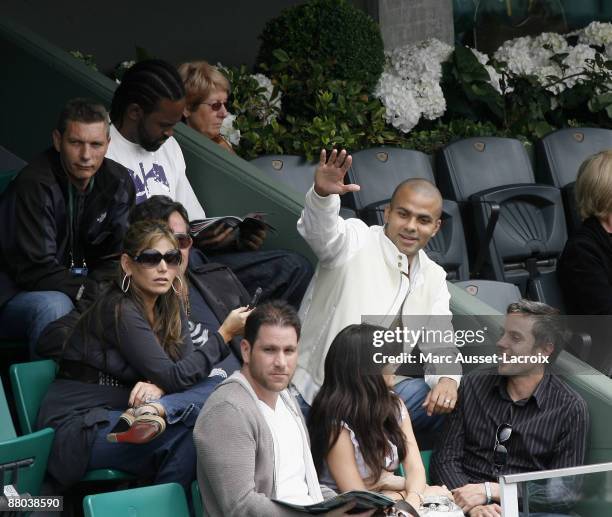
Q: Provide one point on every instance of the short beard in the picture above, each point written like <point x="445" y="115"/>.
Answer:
<point x="144" y="140"/>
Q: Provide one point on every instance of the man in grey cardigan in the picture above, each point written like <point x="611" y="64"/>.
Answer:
<point x="250" y="437"/>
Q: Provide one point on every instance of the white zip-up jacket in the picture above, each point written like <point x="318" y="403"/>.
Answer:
<point x="360" y="273"/>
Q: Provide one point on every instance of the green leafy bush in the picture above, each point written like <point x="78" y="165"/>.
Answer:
<point x="330" y="31"/>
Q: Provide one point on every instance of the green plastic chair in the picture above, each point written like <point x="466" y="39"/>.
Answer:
<point x="149" y="501"/>
<point x="30" y="382"/>
<point x="35" y="446"/>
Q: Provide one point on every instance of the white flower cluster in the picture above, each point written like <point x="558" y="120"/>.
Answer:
<point x="410" y="85"/>
<point x="596" y="33"/>
<point x="228" y="131"/>
<point x="272" y="106"/>
<point x="527" y="55"/>
<point x="532" y="56"/>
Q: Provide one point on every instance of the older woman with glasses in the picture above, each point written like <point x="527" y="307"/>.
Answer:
<point x="207" y="91"/>
<point x="131" y="349"/>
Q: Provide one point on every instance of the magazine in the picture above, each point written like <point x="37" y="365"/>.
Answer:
<point x="364" y="499"/>
<point x="247" y="224"/>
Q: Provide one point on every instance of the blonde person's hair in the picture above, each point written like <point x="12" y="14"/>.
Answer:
<point x="200" y="79"/>
<point x="594" y="186"/>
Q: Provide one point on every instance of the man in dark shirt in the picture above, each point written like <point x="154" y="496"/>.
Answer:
<point x="65" y="214"/>
<point x="523" y="419"/>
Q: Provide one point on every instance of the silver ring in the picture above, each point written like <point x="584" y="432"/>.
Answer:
<point x="447" y="401"/>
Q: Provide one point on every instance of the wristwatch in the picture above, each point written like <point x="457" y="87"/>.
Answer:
<point x="488" y="492"/>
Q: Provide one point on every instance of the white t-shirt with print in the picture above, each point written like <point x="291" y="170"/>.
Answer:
<point x="160" y="172"/>
<point x="291" y="485"/>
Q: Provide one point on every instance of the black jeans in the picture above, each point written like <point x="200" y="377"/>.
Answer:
<point x="281" y="274"/>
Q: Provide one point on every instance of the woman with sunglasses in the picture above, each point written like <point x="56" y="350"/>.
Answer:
<point x="360" y="430"/>
<point x="207" y="91"/>
<point x="132" y="345"/>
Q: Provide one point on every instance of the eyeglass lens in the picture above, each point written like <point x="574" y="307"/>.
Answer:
<point x="151" y="258"/>
<point x="184" y="240"/>
<point x="216" y="106"/>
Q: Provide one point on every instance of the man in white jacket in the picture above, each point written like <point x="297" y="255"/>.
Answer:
<point x="374" y="270"/>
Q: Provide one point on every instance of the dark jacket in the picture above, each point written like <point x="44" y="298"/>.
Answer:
<point x="100" y="364"/>
<point x="585" y="270"/>
<point x="76" y="406"/>
<point x="220" y="287"/>
<point x="35" y="237"/>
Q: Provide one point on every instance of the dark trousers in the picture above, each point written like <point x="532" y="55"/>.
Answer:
<point x="170" y="458"/>
<point x="281" y="274"/>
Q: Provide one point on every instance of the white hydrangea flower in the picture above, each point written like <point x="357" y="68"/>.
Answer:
<point x="555" y="41"/>
<point x="430" y="99"/>
<point x="550" y="70"/>
<point x="421" y="60"/>
<point x="596" y="33"/>
<point x="402" y="110"/>
<point x="228" y="131"/>
<point x="271" y="111"/>
<point x="576" y="60"/>
<point x="516" y="53"/>
<point x="410" y="85"/>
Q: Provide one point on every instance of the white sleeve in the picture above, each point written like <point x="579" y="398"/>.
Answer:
<point x="184" y="194"/>
<point x="331" y="238"/>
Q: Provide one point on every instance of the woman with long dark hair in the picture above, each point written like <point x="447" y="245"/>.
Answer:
<point x="131" y="347"/>
<point x="360" y="429"/>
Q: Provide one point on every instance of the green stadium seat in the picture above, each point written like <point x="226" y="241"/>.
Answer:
<point x="34" y="447"/>
<point x="30" y="382"/>
<point x="149" y="501"/>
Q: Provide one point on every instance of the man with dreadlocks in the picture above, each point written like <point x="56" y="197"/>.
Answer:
<point x="146" y="106"/>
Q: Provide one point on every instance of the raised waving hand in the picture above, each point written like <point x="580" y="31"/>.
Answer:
<point x="329" y="175"/>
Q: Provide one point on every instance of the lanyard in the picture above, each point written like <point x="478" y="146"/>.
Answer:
<point x="82" y="271"/>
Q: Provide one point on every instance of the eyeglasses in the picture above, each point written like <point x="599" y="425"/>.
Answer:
<point x="184" y="240"/>
<point x="216" y="106"/>
<point x="500" y="453"/>
<point x="151" y="258"/>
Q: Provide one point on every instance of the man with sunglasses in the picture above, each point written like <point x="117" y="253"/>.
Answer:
<point x="517" y="418"/>
<point x="64" y="217"/>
